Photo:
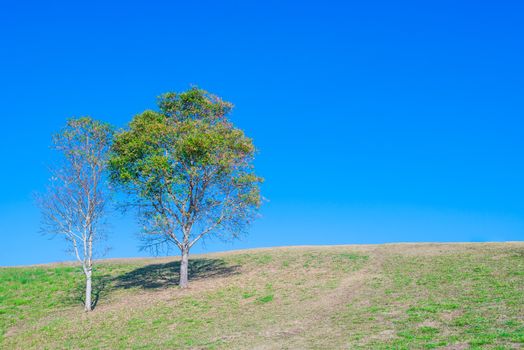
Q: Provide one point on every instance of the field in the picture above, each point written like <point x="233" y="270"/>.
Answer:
<point x="395" y="296"/>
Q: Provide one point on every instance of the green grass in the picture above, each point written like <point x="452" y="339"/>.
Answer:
<point x="467" y="296"/>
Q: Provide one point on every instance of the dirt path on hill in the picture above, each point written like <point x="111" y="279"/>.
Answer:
<point x="318" y="325"/>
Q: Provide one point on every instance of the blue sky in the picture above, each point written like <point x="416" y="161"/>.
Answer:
<point x="377" y="121"/>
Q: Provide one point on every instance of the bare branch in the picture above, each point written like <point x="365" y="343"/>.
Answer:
<point x="75" y="199"/>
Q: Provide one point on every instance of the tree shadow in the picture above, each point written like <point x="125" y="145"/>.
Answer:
<point x="101" y="287"/>
<point x="168" y="274"/>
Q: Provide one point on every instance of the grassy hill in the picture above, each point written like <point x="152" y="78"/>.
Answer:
<point x="401" y="296"/>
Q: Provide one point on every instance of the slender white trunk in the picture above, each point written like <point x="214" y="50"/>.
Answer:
<point x="184" y="263"/>
<point x="88" y="302"/>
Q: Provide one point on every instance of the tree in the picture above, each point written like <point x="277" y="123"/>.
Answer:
<point x="188" y="171"/>
<point x="76" y="196"/>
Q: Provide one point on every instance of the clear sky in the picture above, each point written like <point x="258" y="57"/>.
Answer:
<point x="377" y="121"/>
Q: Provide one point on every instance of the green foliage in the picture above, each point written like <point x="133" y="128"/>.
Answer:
<point x="196" y="104"/>
<point x="187" y="166"/>
<point x="74" y="139"/>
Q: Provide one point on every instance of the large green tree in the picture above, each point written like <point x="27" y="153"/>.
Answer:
<point x="188" y="170"/>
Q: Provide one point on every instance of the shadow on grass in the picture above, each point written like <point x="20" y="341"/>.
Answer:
<point x="166" y="275"/>
<point x="101" y="287"/>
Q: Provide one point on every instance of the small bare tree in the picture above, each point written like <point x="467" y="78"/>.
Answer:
<point x="76" y="196"/>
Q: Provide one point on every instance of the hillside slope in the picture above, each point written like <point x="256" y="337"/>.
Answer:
<point x="397" y="296"/>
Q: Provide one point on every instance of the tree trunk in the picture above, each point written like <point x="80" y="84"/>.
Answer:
<point x="184" y="262"/>
<point x="88" y="303"/>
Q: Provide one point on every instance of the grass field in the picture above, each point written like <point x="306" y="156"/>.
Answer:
<point x="401" y="296"/>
